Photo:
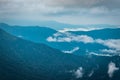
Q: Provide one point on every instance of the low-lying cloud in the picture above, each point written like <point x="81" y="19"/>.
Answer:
<point x="112" y="44"/>
<point x="111" y="51"/>
<point x="97" y="54"/>
<point x="72" y="51"/>
<point x="79" y="29"/>
<point x="79" y="72"/>
<point x="112" y="69"/>
<point x="68" y="37"/>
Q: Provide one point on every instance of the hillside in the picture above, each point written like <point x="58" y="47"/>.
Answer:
<point x="25" y="60"/>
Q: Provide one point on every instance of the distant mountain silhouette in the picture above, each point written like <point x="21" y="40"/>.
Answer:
<point x="32" y="33"/>
<point x="35" y="34"/>
<point x="40" y="34"/>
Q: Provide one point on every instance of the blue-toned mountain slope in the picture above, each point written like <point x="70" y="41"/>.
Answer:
<point x="25" y="60"/>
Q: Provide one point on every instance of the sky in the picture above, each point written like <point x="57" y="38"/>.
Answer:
<point x="65" y="11"/>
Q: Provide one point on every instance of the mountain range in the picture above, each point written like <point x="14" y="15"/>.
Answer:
<point x="22" y="59"/>
<point x="83" y="40"/>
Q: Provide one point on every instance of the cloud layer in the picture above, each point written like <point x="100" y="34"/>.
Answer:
<point x="112" y="44"/>
<point x="68" y="11"/>
<point x="68" y="37"/>
<point x="84" y="3"/>
<point x="79" y="29"/>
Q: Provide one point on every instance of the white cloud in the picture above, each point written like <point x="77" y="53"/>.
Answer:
<point x="111" y="69"/>
<point x="83" y="38"/>
<point x="51" y="39"/>
<point x="111" y="51"/>
<point x="97" y="54"/>
<point x="58" y="34"/>
<point x="68" y="37"/>
<point x="72" y="51"/>
<point x="79" y="72"/>
<point x="79" y="29"/>
<point x="111" y="43"/>
<point x="59" y="37"/>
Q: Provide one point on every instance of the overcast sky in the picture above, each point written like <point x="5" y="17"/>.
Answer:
<point x="66" y="11"/>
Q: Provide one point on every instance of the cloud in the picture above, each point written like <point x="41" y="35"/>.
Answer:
<point x="79" y="29"/>
<point x="87" y="7"/>
<point x="42" y="4"/>
<point x="79" y="72"/>
<point x="84" y="3"/>
<point x="111" y="51"/>
<point x="111" y="69"/>
<point x="97" y="54"/>
<point x="51" y="39"/>
<point x="68" y="11"/>
<point x="111" y="43"/>
<point x="72" y="3"/>
<point x="98" y="10"/>
<point x="26" y="8"/>
<point x="68" y="37"/>
<point x="72" y="51"/>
